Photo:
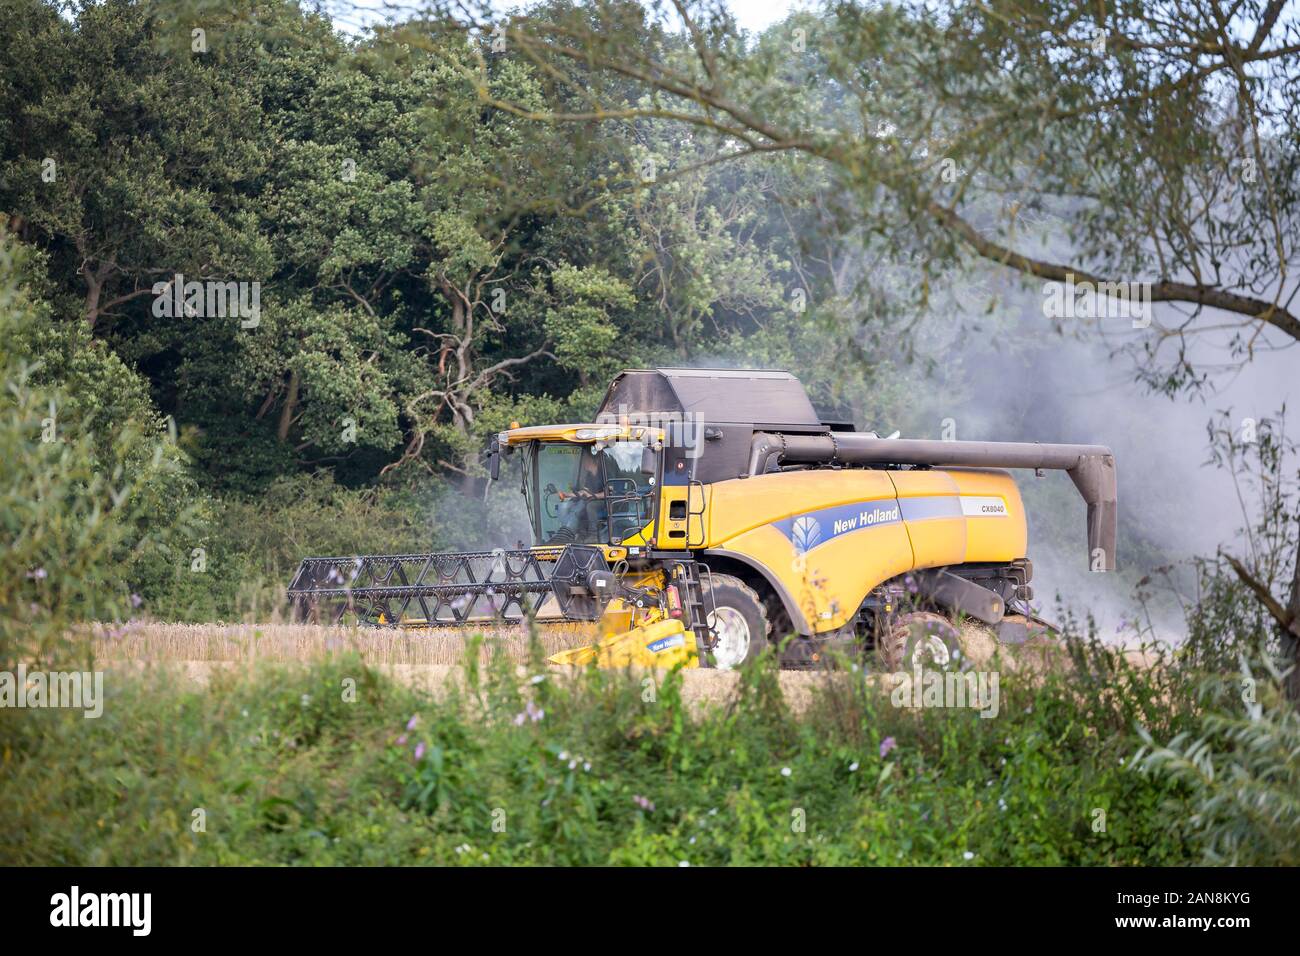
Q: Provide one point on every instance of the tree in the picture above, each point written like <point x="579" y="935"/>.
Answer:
<point x="79" y="162"/>
<point x="966" y="126"/>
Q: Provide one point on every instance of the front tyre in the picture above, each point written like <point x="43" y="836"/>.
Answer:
<point x="738" y="619"/>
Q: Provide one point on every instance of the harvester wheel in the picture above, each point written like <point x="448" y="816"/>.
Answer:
<point x="921" y="638"/>
<point x="738" y="619"/>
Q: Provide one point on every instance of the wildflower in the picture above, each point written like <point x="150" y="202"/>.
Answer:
<point x="968" y="855"/>
<point x="886" y="745"/>
<point x="537" y="678"/>
<point x="644" y="803"/>
<point x="785" y="771"/>
<point x="586" y="767"/>
<point x="419" y="750"/>
<point x="401" y="741"/>
<point x="305" y="699"/>
<point x="415" y="719"/>
<point x="136" y="600"/>
<point x="684" y="863"/>
<point x="38" y="575"/>
<point x="853" y="767"/>
<point x="530" y="712"/>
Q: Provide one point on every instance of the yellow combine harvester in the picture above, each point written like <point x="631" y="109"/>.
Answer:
<point x="707" y="514"/>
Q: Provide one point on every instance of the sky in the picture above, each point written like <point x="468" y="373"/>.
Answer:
<point x="755" y="15"/>
<point x="759" y="14"/>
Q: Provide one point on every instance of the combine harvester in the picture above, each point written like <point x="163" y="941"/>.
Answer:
<point x="708" y="514"/>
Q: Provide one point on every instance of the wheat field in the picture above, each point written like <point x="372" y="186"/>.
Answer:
<point x="308" y="642"/>
<point x="432" y="659"/>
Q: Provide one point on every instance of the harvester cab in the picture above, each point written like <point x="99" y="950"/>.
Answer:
<point x="587" y="484"/>
<point x="705" y="515"/>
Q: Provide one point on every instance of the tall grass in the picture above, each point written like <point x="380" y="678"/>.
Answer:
<point x="331" y="762"/>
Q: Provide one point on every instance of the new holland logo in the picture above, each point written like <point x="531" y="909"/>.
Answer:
<point x="808" y="531"/>
<point x="666" y="643"/>
<point x="805" y="533"/>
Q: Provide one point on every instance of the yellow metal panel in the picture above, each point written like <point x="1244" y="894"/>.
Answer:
<point x="675" y="533"/>
<point x="992" y="534"/>
<point x="932" y="515"/>
<point x="658" y="644"/>
<point x="740" y="504"/>
<point x="842" y="554"/>
<point x="829" y="536"/>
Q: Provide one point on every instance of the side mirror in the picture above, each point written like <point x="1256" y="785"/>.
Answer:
<point x="649" y="461"/>
<point x="494" y="460"/>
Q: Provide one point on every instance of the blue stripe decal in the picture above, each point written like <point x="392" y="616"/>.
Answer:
<point x="807" y="531"/>
<point x="939" y="506"/>
<point x="814" y="528"/>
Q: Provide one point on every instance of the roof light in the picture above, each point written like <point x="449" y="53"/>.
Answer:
<point x="590" y="434"/>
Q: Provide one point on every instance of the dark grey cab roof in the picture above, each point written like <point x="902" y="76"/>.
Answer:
<point x="757" y="397"/>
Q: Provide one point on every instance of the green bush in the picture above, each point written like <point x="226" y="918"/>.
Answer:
<point x="87" y="494"/>
<point x="1239" y="763"/>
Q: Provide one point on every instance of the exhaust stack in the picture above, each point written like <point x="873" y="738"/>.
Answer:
<point x="1090" y="467"/>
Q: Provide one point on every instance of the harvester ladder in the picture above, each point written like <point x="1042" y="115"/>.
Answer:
<point x="687" y="575"/>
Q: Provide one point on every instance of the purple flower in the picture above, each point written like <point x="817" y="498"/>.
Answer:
<point x="401" y="741"/>
<point x="419" y="750"/>
<point x="37" y="575"/>
<point x="530" y="712"/>
<point x="136" y="600"/>
<point x="410" y="724"/>
<point x="644" y="803"/>
<point x="886" y="745"/>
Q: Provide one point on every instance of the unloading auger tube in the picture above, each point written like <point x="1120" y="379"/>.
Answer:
<point x="1090" y="467"/>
